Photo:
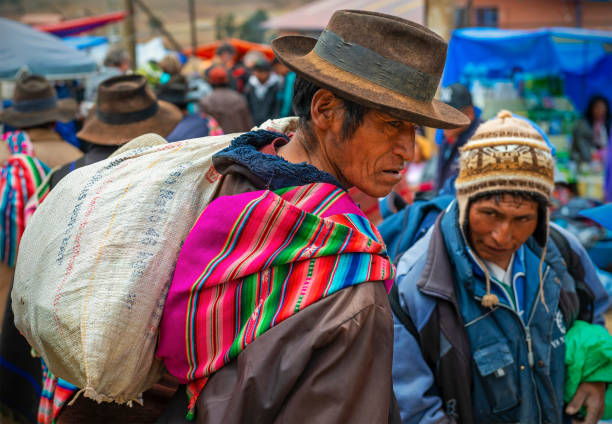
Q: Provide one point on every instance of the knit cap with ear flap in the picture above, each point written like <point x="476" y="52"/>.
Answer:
<point x="505" y="154"/>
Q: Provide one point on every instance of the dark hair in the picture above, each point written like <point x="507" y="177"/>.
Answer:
<point x="304" y="91"/>
<point x="116" y="57"/>
<point x="225" y="48"/>
<point x="542" y="202"/>
<point x="589" y="110"/>
<point x="262" y="65"/>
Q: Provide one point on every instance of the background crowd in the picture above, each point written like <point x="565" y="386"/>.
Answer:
<point x="52" y="129"/>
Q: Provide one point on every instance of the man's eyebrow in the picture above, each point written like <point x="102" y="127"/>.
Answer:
<point x="527" y="215"/>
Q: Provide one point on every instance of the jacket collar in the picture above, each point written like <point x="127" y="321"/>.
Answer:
<point x="267" y="170"/>
<point x="438" y="275"/>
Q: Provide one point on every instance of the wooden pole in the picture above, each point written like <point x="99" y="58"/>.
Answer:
<point x="440" y="17"/>
<point x="130" y="32"/>
<point x="175" y="44"/>
<point x="192" y="21"/>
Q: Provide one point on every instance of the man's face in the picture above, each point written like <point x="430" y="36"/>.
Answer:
<point x="262" y="76"/>
<point x="452" y="134"/>
<point x="599" y="111"/>
<point x="499" y="226"/>
<point x="372" y="158"/>
<point x="226" y="58"/>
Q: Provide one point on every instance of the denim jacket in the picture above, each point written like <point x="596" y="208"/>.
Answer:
<point x="476" y="364"/>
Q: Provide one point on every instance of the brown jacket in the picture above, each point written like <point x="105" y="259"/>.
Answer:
<point x="330" y="363"/>
<point x="229" y="108"/>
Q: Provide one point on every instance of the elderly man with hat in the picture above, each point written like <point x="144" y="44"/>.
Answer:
<point x="487" y="295"/>
<point x="278" y="311"/>
<point x="35" y="109"/>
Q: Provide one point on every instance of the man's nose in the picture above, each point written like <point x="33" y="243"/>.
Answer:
<point x="502" y="234"/>
<point x="405" y="146"/>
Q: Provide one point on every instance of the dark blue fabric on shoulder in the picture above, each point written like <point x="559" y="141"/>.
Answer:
<point x="273" y="171"/>
<point x="404" y="228"/>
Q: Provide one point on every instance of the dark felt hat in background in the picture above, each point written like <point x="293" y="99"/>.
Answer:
<point x="35" y="103"/>
<point x="174" y="91"/>
<point x="127" y="108"/>
<point x="456" y="95"/>
<point x="377" y="60"/>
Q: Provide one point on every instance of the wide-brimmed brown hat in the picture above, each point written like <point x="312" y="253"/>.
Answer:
<point x="377" y="60"/>
<point x="35" y="103"/>
<point x="126" y="108"/>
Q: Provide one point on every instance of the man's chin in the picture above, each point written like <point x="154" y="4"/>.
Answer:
<point x="376" y="192"/>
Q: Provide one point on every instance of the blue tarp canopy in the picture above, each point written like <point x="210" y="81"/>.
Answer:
<point x="85" y="41"/>
<point x="24" y="48"/>
<point x="582" y="57"/>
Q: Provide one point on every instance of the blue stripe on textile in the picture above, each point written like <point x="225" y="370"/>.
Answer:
<point x="14" y="368"/>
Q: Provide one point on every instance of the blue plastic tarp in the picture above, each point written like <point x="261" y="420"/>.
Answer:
<point x="582" y="57"/>
<point x="85" y="41"/>
<point x="24" y="48"/>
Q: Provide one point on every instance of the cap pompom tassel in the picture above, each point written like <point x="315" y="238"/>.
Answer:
<point x="489" y="300"/>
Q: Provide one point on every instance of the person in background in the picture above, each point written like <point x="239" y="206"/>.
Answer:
<point x="486" y="296"/>
<point x="458" y="96"/>
<point x="592" y="132"/>
<point x="28" y="150"/>
<point x="117" y="62"/>
<point x="288" y="77"/>
<point x="251" y="57"/>
<point x="591" y="138"/>
<point x="170" y="65"/>
<point x="225" y="55"/>
<point x="227" y="106"/>
<point x="192" y="125"/>
<point x="35" y="110"/>
<point x="264" y="93"/>
<point x="126" y="108"/>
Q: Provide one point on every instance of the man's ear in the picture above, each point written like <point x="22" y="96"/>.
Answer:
<point x="325" y="109"/>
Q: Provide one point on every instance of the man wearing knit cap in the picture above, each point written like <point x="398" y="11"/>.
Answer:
<point x="486" y="296"/>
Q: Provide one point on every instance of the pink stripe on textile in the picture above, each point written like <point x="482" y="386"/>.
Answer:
<point x="203" y="247"/>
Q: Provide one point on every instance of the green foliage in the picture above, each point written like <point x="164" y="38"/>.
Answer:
<point x="225" y="27"/>
<point x="249" y="30"/>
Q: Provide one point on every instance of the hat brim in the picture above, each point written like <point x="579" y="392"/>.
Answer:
<point x="600" y="214"/>
<point x="163" y="122"/>
<point x="65" y="111"/>
<point x="296" y="52"/>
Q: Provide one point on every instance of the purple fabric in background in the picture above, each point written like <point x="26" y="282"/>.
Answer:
<point x="608" y="172"/>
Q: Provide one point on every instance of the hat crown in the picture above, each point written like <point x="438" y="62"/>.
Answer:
<point x="125" y="94"/>
<point x="505" y="154"/>
<point x="392" y="37"/>
<point x="377" y="60"/>
<point x="33" y="87"/>
<point x="506" y="126"/>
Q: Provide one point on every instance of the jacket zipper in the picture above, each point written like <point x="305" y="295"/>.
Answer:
<point x="527" y="331"/>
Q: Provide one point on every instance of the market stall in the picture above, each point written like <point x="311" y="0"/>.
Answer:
<point x="547" y="75"/>
<point x="23" y="48"/>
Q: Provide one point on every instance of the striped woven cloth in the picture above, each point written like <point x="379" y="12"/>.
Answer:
<point x="20" y="175"/>
<point x="55" y="393"/>
<point x="255" y="259"/>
